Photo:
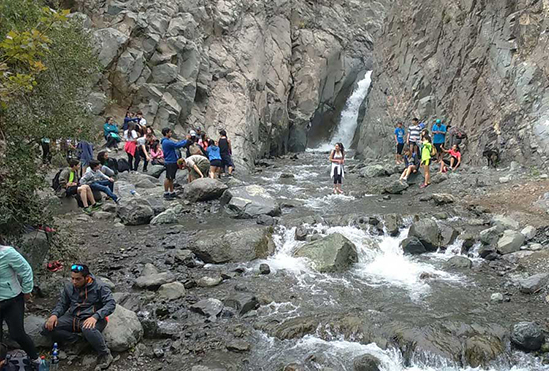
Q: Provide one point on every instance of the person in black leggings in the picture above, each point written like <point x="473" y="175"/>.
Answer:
<point x="16" y="284"/>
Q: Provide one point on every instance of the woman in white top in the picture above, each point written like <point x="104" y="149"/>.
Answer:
<point x="130" y="135"/>
<point x="337" y="158"/>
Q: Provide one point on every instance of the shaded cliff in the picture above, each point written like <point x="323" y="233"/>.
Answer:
<point x="263" y="70"/>
<point x="480" y="65"/>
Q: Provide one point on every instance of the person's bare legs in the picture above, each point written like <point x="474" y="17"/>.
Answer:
<point x="83" y="196"/>
<point x="212" y="172"/>
<point x="218" y="172"/>
<point x="452" y="163"/>
<point x="230" y="170"/>
<point x="441" y="166"/>
<point x="427" y="175"/>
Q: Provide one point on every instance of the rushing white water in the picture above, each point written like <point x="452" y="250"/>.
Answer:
<point x="349" y="117"/>
<point x="339" y="354"/>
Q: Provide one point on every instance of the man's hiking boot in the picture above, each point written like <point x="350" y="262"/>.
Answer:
<point x="88" y="210"/>
<point x="104" y="361"/>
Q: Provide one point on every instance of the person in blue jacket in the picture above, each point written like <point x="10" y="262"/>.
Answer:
<point x="16" y="284"/>
<point x="171" y="155"/>
<point x="111" y="134"/>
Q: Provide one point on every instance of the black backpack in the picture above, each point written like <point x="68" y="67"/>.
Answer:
<point x="123" y="165"/>
<point x="55" y="181"/>
<point x="18" y="362"/>
<point x="113" y="165"/>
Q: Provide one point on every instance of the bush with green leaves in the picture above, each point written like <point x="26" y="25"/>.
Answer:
<point x="47" y="69"/>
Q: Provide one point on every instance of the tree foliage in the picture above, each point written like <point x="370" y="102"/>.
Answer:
<point x="47" y="69"/>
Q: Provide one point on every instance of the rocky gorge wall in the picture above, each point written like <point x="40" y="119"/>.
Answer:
<point x="261" y="69"/>
<point x="480" y="65"/>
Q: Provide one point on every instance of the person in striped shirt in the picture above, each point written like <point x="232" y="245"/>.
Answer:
<point x="413" y="139"/>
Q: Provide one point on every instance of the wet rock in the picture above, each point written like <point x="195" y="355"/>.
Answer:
<point x="170" y="216"/>
<point x="264" y="268"/>
<point x="412" y="246"/>
<point x="156" y="170"/>
<point x="469" y="241"/>
<point x="287" y="176"/>
<point x="395" y="187"/>
<point x="238" y="346"/>
<point x="242" y="302"/>
<point x="490" y="236"/>
<point x="428" y="232"/>
<point x="152" y="280"/>
<point x="393" y="223"/>
<point x="134" y="212"/>
<point x="534" y="283"/>
<point x="448" y="235"/>
<point x="244" y="245"/>
<point x="209" y="281"/>
<point x="334" y="253"/>
<point x="480" y="350"/>
<point x="266" y="220"/>
<point x="510" y="242"/>
<point x="529" y="232"/>
<point x="208" y="307"/>
<point x="158" y="353"/>
<point x="496" y="297"/>
<point x="294" y="367"/>
<point x="443" y="198"/>
<point x="527" y="336"/>
<point x="249" y="202"/>
<point x="185" y="257"/>
<point x="366" y="362"/>
<point x="171" y="291"/>
<point x="204" y="189"/>
<point x="504" y="222"/>
<point x="124" y="330"/>
<point x="301" y="234"/>
<point x="459" y="262"/>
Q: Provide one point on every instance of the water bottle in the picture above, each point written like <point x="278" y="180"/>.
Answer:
<point x="134" y="193"/>
<point x="54" y="358"/>
<point x="44" y="365"/>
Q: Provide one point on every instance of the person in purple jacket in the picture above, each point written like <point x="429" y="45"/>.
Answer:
<point x="171" y="155"/>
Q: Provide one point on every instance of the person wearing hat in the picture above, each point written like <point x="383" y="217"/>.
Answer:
<point x="439" y="137"/>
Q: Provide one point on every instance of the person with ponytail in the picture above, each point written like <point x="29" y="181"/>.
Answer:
<point x="337" y="158"/>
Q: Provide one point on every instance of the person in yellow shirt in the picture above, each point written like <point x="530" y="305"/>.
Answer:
<point x="425" y="159"/>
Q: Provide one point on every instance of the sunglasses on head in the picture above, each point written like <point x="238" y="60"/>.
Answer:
<point x="77" y="268"/>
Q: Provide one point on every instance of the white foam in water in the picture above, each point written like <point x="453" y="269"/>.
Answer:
<point x="326" y="201"/>
<point x="348" y="121"/>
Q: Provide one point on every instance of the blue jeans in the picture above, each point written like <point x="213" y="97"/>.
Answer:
<point x="105" y="186"/>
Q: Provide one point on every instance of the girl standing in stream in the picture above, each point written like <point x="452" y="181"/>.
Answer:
<point x="337" y="158"/>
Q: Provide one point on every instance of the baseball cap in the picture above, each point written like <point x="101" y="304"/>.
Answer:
<point x="438" y="121"/>
<point x="193" y="133"/>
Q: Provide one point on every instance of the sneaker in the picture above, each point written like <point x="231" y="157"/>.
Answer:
<point x="109" y="150"/>
<point x="117" y="201"/>
<point x="174" y="195"/>
<point x="99" y="203"/>
<point x="167" y="196"/>
<point x="87" y="210"/>
<point x="95" y="207"/>
<point x="104" y="361"/>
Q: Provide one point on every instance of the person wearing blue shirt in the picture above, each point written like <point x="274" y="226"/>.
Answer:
<point x="439" y="137"/>
<point x="214" y="154"/>
<point x="399" y="139"/>
<point x="171" y="155"/>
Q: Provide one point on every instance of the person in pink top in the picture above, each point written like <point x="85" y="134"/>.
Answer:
<point x="454" y="161"/>
<point x="157" y="156"/>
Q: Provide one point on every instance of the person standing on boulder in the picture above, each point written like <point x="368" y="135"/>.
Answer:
<point x="337" y="158"/>
<point x="426" y="150"/>
<point x="16" y="284"/>
<point x="169" y="148"/>
<point x="83" y="307"/>
<point x="413" y="139"/>
<point x="399" y="139"/>
<point x="226" y="151"/>
<point x="439" y="137"/>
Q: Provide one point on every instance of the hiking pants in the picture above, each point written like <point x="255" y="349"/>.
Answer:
<point x="67" y="330"/>
<point x="111" y="142"/>
<point x="105" y="186"/>
<point x="138" y="154"/>
<point x="131" y="160"/>
<point x="13" y="311"/>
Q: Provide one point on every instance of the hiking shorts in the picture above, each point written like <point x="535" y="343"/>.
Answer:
<point x="425" y="162"/>
<point x="400" y="147"/>
<point x="216" y="163"/>
<point x="71" y="191"/>
<point x="227" y="161"/>
<point x="171" y="170"/>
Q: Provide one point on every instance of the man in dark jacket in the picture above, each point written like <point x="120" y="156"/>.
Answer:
<point x="82" y="308"/>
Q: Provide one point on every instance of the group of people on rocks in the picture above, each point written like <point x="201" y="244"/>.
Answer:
<point x="81" y="312"/>
<point x="418" y="149"/>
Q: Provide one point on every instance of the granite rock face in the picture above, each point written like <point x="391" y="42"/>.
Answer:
<point x="478" y="65"/>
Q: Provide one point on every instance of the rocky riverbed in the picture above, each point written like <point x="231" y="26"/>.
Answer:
<point x="271" y="271"/>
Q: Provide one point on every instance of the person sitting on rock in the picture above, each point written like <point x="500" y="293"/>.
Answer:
<point x="171" y="156"/>
<point x="99" y="181"/>
<point x="411" y="163"/>
<point x="157" y="156"/>
<point x="453" y="162"/>
<point x="83" y="308"/>
<point x="110" y="131"/>
<point x="69" y="186"/>
<point x="197" y="166"/>
<point x="109" y="166"/>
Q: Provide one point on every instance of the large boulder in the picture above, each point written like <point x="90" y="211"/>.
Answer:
<point x="151" y="279"/>
<point x="248" y="202"/>
<point x="504" y="222"/>
<point x="395" y="186"/>
<point x="124" y="330"/>
<point x="208" y="307"/>
<point x="109" y="43"/>
<point x="459" y="262"/>
<point x="529" y="232"/>
<point x="534" y="283"/>
<point x="135" y="212"/>
<point x="244" y="245"/>
<point x="171" y="291"/>
<point x="527" y="336"/>
<point x="412" y="246"/>
<point x="334" y="253"/>
<point x="35" y="248"/>
<point x="490" y="236"/>
<point x="372" y="171"/>
<point x="393" y="223"/>
<point x="510" y="242"/>
<point x="169" y="216"/>
<point x="33" y="327"/>
<point x="242" y="302"/>
<point x="428" y="232"/>
<point x="204" y="189"/>
<point x="156" y="170"/>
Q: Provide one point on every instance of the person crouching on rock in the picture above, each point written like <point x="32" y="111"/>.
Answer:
<point x="337" y="158"/>
<point x="197" y="165"/>
<point x="411" y="164"/>
<point x="426" y="150"/>
<point x="83" y="308"/>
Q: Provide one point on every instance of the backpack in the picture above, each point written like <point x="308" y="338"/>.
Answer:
<point x="55" y="181"/>
<point x="123" y="165"/>
<point x="433" y="151"/>
<point x="113" y="164"/>
<point x="18" y="362"/>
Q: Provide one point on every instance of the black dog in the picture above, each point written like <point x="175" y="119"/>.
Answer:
<point x="492" y="155"/>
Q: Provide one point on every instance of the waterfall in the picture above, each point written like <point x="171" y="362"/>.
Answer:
<point x="349" y="116"/>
